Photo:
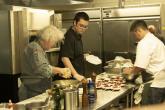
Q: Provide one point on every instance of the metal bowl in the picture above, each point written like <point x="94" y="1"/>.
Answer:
<point x="67" y="83"/>
<point x="109" y="69"/>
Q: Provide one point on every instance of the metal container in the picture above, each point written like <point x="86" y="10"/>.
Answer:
<point x="68" y="94"/>
<point x="113" y="67"/>
<point x="71" y="99"/>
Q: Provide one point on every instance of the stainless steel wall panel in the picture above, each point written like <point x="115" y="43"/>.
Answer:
<point x="92" y="39"/>
<point x="118" y="41"/>
<point x="13" y="30"/>
<point x="163" y="19"/>
<point x="5" y="42"/>
<point x="115" y="36"/>
<point x="69" y="15"/>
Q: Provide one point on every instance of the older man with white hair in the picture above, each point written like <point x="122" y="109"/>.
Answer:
<point x="37" y="72"/>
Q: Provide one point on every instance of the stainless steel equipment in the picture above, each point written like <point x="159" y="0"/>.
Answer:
<point x="13" y="32"/>
<point x="43" y="2"/>
<point x="117" y="40"/>
<point x="14" y="36"/>
<point x="108" y="34"/>
<point x="71" y="99"/>
<point x="115" y="67"/>
<point x="66" y="95"/>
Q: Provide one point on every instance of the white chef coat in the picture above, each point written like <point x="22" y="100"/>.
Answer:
<point x="150" y="55"/>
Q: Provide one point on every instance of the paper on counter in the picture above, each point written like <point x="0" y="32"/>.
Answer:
<point x="93" y="59"/>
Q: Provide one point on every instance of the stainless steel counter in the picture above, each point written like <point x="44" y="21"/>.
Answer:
<point x="105" y="98"/>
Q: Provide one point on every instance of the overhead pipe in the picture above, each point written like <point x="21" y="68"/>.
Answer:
<point x="121" y="3"/>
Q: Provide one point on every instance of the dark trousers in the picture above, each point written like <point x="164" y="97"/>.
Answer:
<point x="146" y="95"/>
<point x="157" y="95"/>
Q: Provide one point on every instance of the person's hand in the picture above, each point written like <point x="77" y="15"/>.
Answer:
<point x="127" y="70"/>
<point x="78" y="77"/>
<point x="65" y="73"/>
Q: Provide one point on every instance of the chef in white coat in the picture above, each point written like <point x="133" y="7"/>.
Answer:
<point x="150" y="56"/>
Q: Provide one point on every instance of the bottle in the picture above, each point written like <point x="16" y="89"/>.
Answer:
<point x="93" y="77"/>
<point x="91" y="92"/>
<point x="57" y="98"/>
<point x="85" y="101"/>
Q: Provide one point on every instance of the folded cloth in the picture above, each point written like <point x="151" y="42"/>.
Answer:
<point x="139" y="80"/>
<point x="138" y="94"/>
<point x="138" y="98"/>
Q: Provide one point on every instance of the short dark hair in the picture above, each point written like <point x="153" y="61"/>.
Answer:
<point x="81" y="15"/>
<point x="138" y="24"/>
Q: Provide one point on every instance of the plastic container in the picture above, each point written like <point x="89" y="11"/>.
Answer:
<point x="91" y="92"/>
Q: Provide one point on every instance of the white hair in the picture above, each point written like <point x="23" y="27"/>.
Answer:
<point x="51" y="33"/>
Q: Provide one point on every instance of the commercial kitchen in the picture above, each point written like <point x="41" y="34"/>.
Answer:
<point x="108" y="38"/>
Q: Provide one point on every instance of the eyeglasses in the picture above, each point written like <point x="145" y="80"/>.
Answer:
<point x="82" y="26"/>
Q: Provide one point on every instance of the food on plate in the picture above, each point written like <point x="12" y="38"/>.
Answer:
<point x="110" y="82"/>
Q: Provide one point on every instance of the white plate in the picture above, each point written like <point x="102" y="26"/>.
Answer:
<point x="93" y="59"/>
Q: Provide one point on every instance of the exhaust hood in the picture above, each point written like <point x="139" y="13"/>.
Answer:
<point x="44" y="2"/>
<point x="58" y="2"/>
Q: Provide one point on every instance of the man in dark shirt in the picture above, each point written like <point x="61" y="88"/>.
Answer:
<point x="71" y="53"/>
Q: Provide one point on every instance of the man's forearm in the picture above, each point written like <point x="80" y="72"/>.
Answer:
<point x="136" y="70"/>
<point x="66" y="61"/>
<point x="69" y="65"/>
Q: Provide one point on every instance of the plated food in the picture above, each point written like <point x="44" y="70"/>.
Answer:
<point x="110" y="82"/>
